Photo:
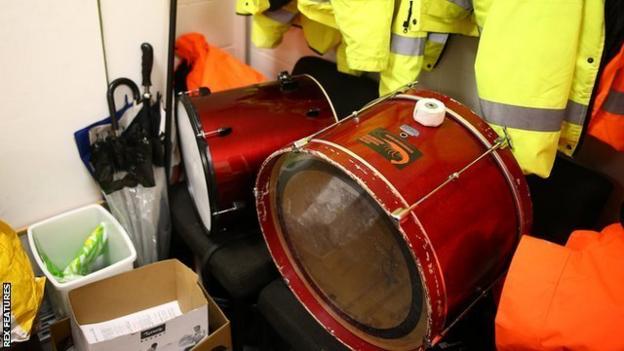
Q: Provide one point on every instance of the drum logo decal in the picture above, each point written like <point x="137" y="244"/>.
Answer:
<point x="391" y="147"/>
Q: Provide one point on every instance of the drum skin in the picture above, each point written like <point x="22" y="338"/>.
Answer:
<point x="462" y="236"/>
<point x="261" y="118"/>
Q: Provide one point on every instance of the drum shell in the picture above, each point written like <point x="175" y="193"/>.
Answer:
<point x="260" y="118"/>
<point x="462" y="235"/>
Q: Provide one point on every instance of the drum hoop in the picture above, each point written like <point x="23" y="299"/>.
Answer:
<point x="206" y="159"/>
<point x="329" y="102"/>
<point x="501" y="164"/>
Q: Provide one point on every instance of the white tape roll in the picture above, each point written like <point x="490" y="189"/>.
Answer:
<point x="429" y="112"/>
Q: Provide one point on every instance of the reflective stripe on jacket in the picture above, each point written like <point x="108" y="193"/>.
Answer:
<point x="607" y="120"/>
<point x="410" y="52"/>
<point x="536" y="80"/>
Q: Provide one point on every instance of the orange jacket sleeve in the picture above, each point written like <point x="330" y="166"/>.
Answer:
<point x="565" y="298"/>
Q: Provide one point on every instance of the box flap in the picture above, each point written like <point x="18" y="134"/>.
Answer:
<point x="188" y="290"/>
<point x="136" y="290"/>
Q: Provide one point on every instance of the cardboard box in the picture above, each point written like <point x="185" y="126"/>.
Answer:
<point x="219" y="335"/>
<point x="141" y="289"/>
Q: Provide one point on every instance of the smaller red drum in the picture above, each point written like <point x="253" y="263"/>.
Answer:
<point x="388" y="231"/>
<point x="224" y="137"/>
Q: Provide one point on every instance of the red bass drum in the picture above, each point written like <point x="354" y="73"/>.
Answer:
<point x="225" y="137"/>
<point x="388" y="231"/>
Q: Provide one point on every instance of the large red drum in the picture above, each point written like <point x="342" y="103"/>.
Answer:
<point x="225" y="137"/>
<point x="388" y="231"/>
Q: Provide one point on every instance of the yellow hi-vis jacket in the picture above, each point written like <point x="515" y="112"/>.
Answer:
<point x="364" y="25"/>
<point x="398" y="51"/>
<point x="445" y="16"/>
<point x="269" y="27"/>
<point x="411" y="50"/>
<point x="535" y="69"/>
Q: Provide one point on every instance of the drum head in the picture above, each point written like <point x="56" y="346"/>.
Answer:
<point x="194" y="155"/>
<point x="349" y="250"/>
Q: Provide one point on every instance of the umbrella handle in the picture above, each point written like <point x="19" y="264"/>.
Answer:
<point x="147" y="62"/>
<point x="110" y="97"/>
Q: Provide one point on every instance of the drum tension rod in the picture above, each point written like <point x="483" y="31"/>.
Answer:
<point x="236" y="205"/>
<point x="400" y="213"/>
<point x="223" y="131"/>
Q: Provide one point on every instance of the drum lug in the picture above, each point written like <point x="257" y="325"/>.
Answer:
<point x="236" y="205"/>
<point x="297" y="145"/>
<point x="201" y="91"/>
<point x="287" y="83"/>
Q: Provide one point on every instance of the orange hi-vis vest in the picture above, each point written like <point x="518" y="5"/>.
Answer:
<point x="607" y="120"/>
<point x="564" y="297"/>
<point x="213" y="67"/>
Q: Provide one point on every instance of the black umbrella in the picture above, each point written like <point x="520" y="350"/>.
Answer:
<point x="127" y="162"/>
<point x="123" y="158"/>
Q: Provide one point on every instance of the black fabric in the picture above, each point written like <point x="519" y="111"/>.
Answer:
<point x="179" y="77"/>
<point x="292" y="321"/>
<point x="573" y="197"/>
<point x="237" y="258"/>
<point x="346" y="92"/>
<point x="276" y="4"/>
<point x="614" y="39"/>
<point x="243" y="266"/>
<point x="614" y="29"/>
<point x="475" y="331"/>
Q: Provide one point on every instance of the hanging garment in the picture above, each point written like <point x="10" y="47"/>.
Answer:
<point x="270" y="23"/>
<point x="444" y="16"/>
<point x="364" y="25"/>
<point x="535" y="70"/>
<point x="212" y="67"/>
<point x="564" y="298"/>
<point x="607" y="119"/>
<point x="269" y="26"/>
<point x="410" y="51"/>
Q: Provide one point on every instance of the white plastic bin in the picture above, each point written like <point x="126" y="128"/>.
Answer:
<point x="62" y="236"/>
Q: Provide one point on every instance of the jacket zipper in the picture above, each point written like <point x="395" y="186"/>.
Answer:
<point x="409" y="17"/>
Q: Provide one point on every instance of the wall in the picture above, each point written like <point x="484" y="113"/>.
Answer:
<point x="217" y="21"/>
<point x="126" y="25"/>
<point x="282" y="58"/>
<point x="53" y="83"/>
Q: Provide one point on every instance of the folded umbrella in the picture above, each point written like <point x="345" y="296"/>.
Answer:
<point x="125" y="157"/>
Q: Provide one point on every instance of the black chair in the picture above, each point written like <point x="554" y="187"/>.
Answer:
<point x="236" y="259"/>
<point x="290" y="320"/>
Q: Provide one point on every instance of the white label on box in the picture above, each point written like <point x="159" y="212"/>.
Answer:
<point x="132" y="323"/>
